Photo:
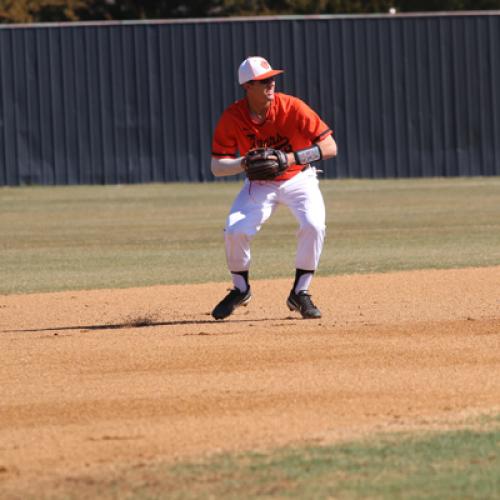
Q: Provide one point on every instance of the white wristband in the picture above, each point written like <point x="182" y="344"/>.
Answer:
<point x="307" y="155"/>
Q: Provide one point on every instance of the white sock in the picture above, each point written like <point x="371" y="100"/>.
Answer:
<point x="304" y="282"/>
<point x="239" y="282"/>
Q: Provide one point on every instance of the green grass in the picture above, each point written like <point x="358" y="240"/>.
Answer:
<point x="451" y="465"/>
<point x="82" y="237"/>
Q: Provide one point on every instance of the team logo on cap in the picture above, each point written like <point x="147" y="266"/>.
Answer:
<point x="265" y="64"/>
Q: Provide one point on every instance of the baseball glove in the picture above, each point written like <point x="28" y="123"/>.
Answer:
<point x="265" y="164"/>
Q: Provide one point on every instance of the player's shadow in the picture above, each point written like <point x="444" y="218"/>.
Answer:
<point x="145" y="324"/>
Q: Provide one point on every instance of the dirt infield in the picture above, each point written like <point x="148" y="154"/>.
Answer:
<point x="110" y="378"/>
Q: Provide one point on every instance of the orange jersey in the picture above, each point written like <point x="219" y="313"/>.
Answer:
<point x="290" y="125"/>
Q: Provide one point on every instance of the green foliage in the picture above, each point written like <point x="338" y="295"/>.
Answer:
<point x="27" y="11"/>
<point x="445" y="5"/>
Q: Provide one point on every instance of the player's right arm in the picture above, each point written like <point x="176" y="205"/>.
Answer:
<point x="225" y="160"/>
<point x="226" y="166"/>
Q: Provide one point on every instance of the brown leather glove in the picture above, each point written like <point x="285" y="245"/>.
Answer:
<point x="265" y="164"/>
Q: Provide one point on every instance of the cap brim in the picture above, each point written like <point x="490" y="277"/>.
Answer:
<point x="268" y="74"/>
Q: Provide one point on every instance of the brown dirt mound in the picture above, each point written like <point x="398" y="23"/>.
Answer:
<point x="93" y="379"/>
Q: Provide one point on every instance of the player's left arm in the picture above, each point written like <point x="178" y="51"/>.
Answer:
<point x="322" y="150"/>
<point x="328" y="147"/>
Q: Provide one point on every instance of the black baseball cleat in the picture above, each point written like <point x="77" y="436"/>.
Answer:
<point x="302" y="303"/>
<point x="235" y="298"/>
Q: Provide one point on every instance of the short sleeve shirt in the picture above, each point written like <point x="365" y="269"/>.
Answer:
<point x="290" y="125"/>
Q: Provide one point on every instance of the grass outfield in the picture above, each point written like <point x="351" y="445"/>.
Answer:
<point x="453" y="465"/>
<point x="62" y="238"/>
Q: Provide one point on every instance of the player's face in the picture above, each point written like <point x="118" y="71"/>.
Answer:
<point x="262" y="90"/>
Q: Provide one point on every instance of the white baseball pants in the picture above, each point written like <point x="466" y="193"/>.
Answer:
<point x="257" y="201"/>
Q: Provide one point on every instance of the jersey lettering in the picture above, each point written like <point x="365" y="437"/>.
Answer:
<point x="275" y="142"/>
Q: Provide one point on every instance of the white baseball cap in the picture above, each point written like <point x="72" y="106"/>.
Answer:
<point x="255" y="68"/>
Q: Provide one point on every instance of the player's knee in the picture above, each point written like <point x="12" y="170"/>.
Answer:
<point x="239" y="227"/>
<point x="313" y="229"/>
<point x="236" y="232"/>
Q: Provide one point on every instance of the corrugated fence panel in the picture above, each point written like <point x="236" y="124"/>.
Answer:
<point x="137" y="102"/>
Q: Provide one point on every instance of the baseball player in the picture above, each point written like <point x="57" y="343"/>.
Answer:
<point x="273" y="138"/>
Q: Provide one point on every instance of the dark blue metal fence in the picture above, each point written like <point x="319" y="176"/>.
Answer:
<point x="137" y="102"/>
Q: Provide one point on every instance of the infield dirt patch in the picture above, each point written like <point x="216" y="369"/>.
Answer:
<point x="111" y="378"/>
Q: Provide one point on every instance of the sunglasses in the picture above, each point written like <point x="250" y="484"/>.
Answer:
<point x="267" y="81"/>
